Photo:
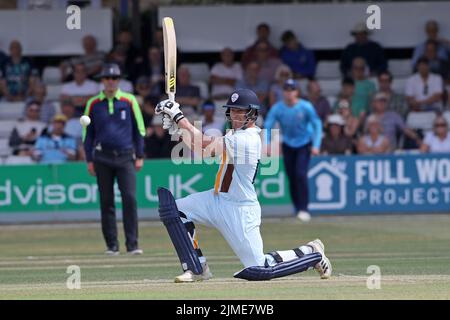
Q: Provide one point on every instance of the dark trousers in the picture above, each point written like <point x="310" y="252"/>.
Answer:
<point x="108" y="168"/>
<point x="296" y="163"/>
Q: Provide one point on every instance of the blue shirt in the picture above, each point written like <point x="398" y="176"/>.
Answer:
<point x="300" y="61"/>
<point x="116" y="124"/>
<point x="299" y="124"/>
<point x="54" y="149"/>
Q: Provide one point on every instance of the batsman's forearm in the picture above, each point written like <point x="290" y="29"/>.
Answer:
<point x="195" y="135"/>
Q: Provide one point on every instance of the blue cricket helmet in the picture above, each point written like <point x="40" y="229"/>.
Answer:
<point x="243" y="99"/>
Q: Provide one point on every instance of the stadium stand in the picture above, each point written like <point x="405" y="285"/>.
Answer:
<point x="199" y="71"/>
<point x="11" y="110"/>
<point x="420" y="120"/>
<point x="51" y="75"/>
<point x="400" y="67"/>
<point x="328" y="70"/>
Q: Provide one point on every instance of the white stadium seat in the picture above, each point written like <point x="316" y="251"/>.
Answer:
<point x="420" y="120"/>
<point x="6" y="127"/>
<point x="16" y="160"/>
<point x="54" y="91"/>
<point x="328" y="70"/>
<point x="203" y="86"/>
<point x="330" y="87"/>
<point x="4" y="147"/>
<point x="51" y="75"/>
<point x="399" y="84"/>
<point x="447" y="116"/>
<point x="303" y="84"/>
<point x="11" y="110"/>
<point x="400" y="67"/>
<point x="198" y="71"/>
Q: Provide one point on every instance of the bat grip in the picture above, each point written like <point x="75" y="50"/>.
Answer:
<point x="171" y="97"/>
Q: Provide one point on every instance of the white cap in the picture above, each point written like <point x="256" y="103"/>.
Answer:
<point x="336" y="119"/>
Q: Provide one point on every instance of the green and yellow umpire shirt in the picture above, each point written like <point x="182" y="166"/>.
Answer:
<point x="116" y="124"/>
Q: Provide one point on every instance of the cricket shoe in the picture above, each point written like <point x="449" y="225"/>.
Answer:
<point x="135" y="252"/>
<point x="324" y="266"/>
<point x="112" y="252"/>
<point x="304" y="216"/>
<point x="189" y="276"/>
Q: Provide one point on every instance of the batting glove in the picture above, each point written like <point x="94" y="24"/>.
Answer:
<point x="170" y="108"/>
<point x="169" y="124"/>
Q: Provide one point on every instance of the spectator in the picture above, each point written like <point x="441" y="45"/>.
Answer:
<point x="391" y="122"/>
<point x="347" y="91"/>
<point x="118" y="55"/>
<point x="153" y="67"/>
<point x="424" y="89"/>
<point x="39" y="93"/>
<point x="282" y="73"/>
<point x="373" y="142"/>
<point x="439" y="139"/>
<point x="252" y="81"/>
<point x="268" y="65"/>
<point x="335" y="141"/>
<point x="396" y="101"/>
<point x="319" y="102"/>
<point x="16" y="72"/>
<point x="27" y="130"/>
<point x="92" y="59"/>
<point x="158" y="39"/>
<point x="364" y="89"/>
<point x="297" y="57"/>
<point x="143" y="88"/>
<point x="80" y="89"/>
<point x="188" y="95"/>
<point x="55" y="146"/>
<point x="73" y="126"/>
<point x="158" y="143"/>
<point x="371" y="51"/>
<point x="132" y="53"/>
<point x="351" y="123"/>
<point x="224" y="75"/>
<point x="431" y="30"/>
<point x="211" y="125"/>
<point x="262" y="35"/>
<point x="148" y="110"/>
<point x="437" y="65"/>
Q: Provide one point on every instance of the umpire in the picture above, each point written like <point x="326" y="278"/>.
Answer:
<point x="114" y="147"/>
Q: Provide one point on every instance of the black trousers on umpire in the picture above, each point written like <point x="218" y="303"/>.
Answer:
<point x="109" y="167"/>
<point x="296" y="164"/>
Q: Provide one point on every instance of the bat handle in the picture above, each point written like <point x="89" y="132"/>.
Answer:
<point x="171" y="97"/>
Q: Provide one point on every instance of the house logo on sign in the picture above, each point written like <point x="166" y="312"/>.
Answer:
<point x="329" y="188"/>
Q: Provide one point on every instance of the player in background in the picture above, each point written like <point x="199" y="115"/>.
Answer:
<point x="232" y="205"/>
<point x="301" y="129"/>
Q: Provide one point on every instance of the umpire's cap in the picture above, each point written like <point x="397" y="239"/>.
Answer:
<point x="110" y="70"/>
<point x="243" y="99"/>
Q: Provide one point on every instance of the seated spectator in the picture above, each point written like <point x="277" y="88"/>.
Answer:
<point x="262" y="35"/>
<point x="347" y="91"/>
<point x="396" y="101"/>
<point x="319" y="102"/>
<point x="282" y="73"/>
<point x="437" y="65"/>
<point x="364" y="89"/>
<point x="39" y="94"/>
<point x="153" y="67"/>
<point x="443" y="45"/>
<point x="188" y="95"/>
<point x="55" y="146"/>
<point x="391" y="122"/>
<point x="15" y="75"/>
<point x="363" y="47"/>
<point x="148" y="110"/>
<point x="211" y="125"/>
<point x="158" y="142"/>
<point x="27" y="130"/>
<point x="351" y="123"/>
<point x="143" y="88"/>
<point x="335" y="141"/>
<point x="158" y="39"/>
<point x="80" y="89"/>
<point x="73" y="126"/>
<point x="424" y="90"/>
<point x="373" y="142"/>
<point x="133" y="55"/>
<point x="92" y="59"/>
<point x="439" y="139"/>
<point x="224" y="75"/>
<point x="267" y="64"/>
<point x="253" y="82"/>
<point x="118" y="55"/>
<point x="301" y="60"/>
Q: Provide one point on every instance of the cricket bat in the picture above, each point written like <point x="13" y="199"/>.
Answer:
<point x="170" y="56"/>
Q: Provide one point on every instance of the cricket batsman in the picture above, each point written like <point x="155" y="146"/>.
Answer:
<point x="231" y="206"/>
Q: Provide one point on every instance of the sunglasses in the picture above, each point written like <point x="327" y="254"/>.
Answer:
<point x="440" y="125"/>
<point x="111" y="78"/>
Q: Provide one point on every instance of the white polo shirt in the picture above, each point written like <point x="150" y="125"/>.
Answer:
<point x="420" y="90"/>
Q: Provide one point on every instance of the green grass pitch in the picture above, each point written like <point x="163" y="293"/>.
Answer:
<point x="413" y="253"/>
